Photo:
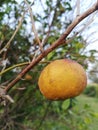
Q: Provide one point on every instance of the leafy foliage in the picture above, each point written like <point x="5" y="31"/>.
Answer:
<point x="92" y="90"/>
<point x="31" y="109"/>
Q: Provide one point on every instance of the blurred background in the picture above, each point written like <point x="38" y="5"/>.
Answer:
<point x="18" y="46"/>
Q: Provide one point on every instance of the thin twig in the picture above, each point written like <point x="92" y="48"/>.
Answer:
<point x="9" y="42"/>
<point x="42" y="4"/>
<point x="78" y="8"/>
<point x="33" y="26"/>
<point x="14" y="66"/>
<point x="87" y="23"/>
<point x="19" y="65"/>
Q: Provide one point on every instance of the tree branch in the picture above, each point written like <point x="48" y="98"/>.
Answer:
<point x="60" y="41"/>
<point x="12" y="37"/>
<point x="33" y="26"/>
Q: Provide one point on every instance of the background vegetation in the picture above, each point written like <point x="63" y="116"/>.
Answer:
<point x="31" y="111"/>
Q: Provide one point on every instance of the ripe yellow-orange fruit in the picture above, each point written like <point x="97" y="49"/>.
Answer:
<point x="62" y="79"/>
<point x="28" y="77"/>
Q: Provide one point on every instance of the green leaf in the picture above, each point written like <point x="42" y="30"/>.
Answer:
<point x="65" y="104"/>
<point x="87" y="120"/>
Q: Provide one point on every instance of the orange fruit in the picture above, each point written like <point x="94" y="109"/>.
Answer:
<point x="62" y="79"/>
<point x="28" y="77"/>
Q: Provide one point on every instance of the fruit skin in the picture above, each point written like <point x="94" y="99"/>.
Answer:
<point x="28" y="77"/>
<point x="62" y="79"/>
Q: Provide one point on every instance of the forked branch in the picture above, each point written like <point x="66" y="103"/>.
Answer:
<point x="60" y="41"/>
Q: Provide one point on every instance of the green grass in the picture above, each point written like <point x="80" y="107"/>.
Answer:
<point x="91" y="101"/>
<point x="91" y="106"/>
